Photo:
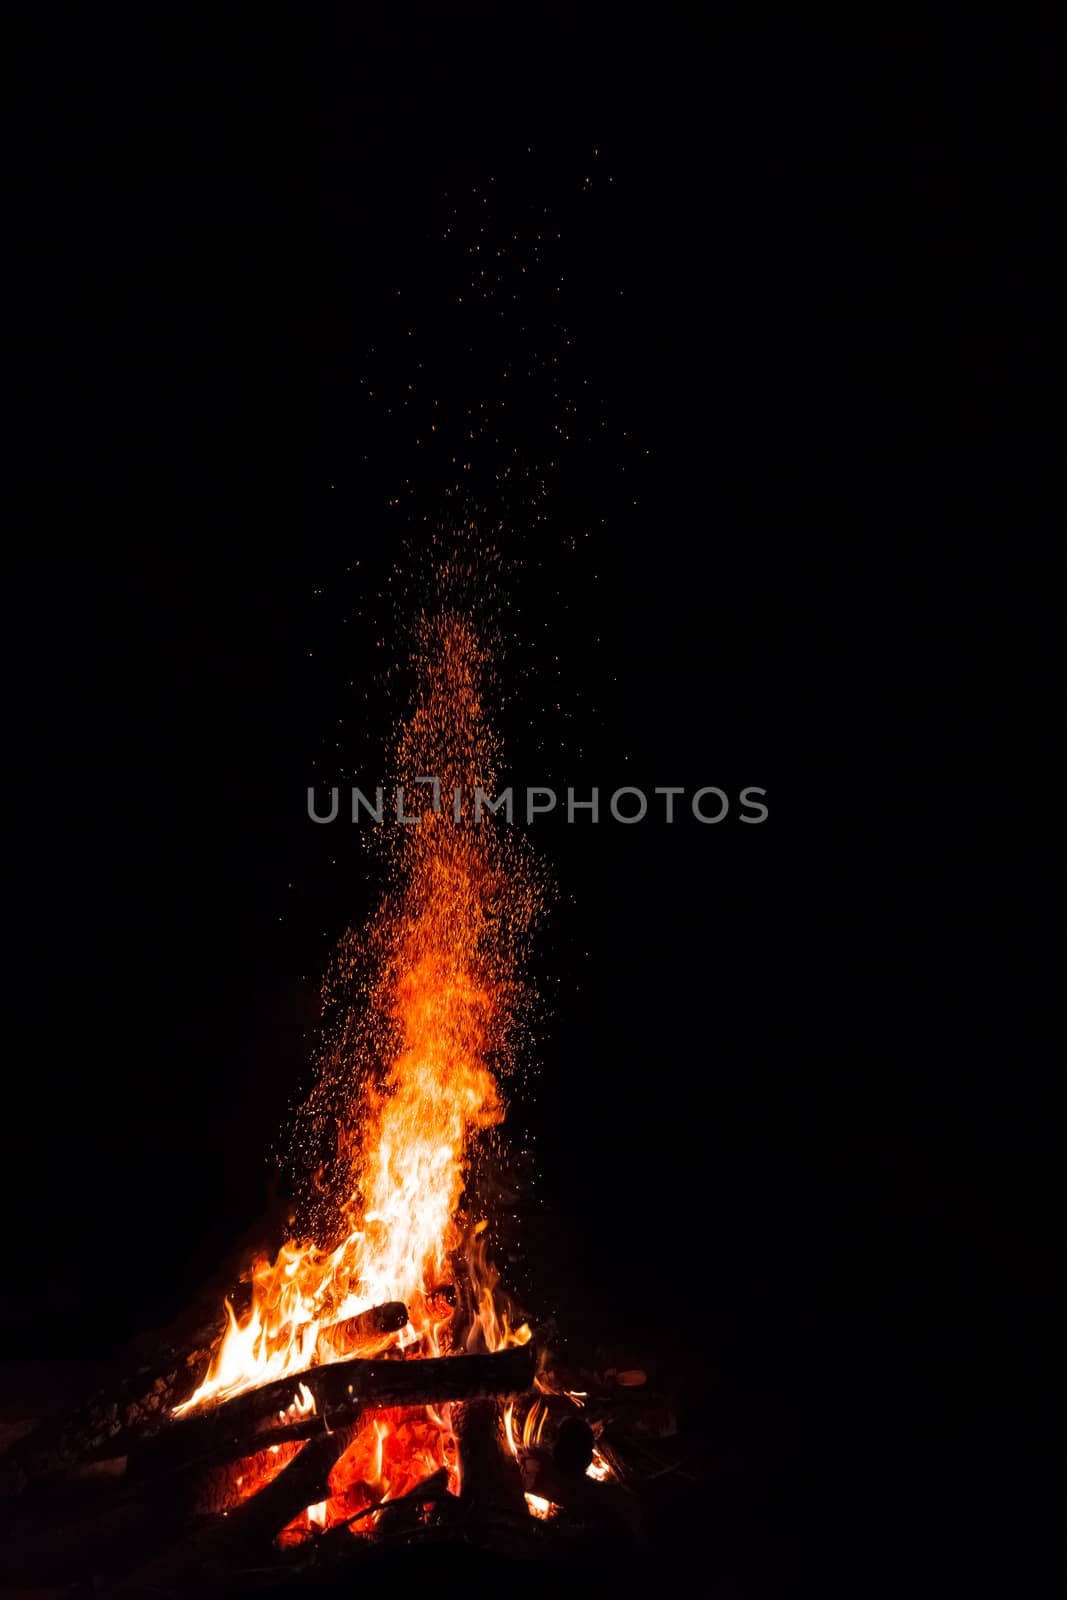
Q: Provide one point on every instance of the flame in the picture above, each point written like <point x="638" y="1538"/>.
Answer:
<point x="541" y="1508"/>
<point x="420" y="1010"/>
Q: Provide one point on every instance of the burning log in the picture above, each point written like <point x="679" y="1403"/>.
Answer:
<point x="397" y="1518"/>
<point x="379" y="1320"/>
<point x="367" y="1327"/>
<point x="249" y="1529"/>
<point x="64" y="1449"/>
<point x="260" y="1417"/>
<point x="350" y="1337"/>
<point x="214" y="1490"/>
<point x="303" y="1482"/>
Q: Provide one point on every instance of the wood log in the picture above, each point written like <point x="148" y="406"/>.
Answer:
<point x="432" y="1490"/>
<point x="302" y="1483"/>
<point x="491" y="1491"/>
<point x="396" y="1518"/>
<point x="171" y="1362"/>
<point x="248" y="1531"/>
<point x="367" y="1325"/>
<point x="487" y="1469"/>
<point x="215" y="1489"/>
<point x="254" y="1420"/>
<point x="80" y="1445"/>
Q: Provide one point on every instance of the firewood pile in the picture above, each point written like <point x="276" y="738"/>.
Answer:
<point x="120" y="1496"/>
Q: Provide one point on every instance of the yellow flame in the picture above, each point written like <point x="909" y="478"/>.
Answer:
<point x="540" y="1507"/>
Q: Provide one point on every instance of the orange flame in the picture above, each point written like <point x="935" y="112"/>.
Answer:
<point x="419" y="1011"/>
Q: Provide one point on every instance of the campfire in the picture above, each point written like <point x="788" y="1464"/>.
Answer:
<point x="368" y="1384"/>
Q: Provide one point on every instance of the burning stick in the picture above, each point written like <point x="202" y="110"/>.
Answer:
<point x="435" y="1487"/>
<point x="379" y="1320"/>
<point x="303" y="1482"/>
<point x="367" y="1327"/>
<point x="338" y="1391"/>
<point x="250" y="1528"/>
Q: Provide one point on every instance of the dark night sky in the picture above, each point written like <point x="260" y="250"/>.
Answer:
<point x="793" y="1071"/>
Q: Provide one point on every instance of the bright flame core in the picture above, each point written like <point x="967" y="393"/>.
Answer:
<point x="419" y="1009"/>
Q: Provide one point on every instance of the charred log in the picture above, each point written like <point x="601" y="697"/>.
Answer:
<point x="247" y="1532"/>
<point x="219" y="1489"/>
<point x="491" y="1493"/>
<point x="260" y="1417"/>
<point x="396" y="1518"/>
<point x="303" y="1482"/>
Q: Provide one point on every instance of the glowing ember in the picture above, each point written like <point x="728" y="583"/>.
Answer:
<point x="540" y="1507"/>
<point x="421" y="1015"/>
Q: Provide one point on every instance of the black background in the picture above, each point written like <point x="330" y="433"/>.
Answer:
<point x="793" y="1109"/>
